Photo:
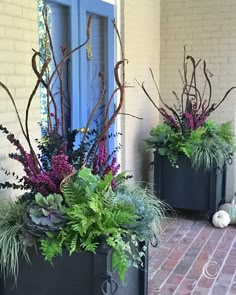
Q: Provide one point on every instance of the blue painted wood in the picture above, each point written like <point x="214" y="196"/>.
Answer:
<point x="79" y="10"/>
<point x="82" y="28"/>
<point x="75" y="91"/>
<point x="110" y="71"/>
<point x="106" y="10"/>
<point x="62" y="2"/>
<point x="60" y="26"/>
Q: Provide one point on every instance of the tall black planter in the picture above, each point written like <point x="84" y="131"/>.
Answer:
<point x="185" y="188"/>
<point x="79" y="274"/>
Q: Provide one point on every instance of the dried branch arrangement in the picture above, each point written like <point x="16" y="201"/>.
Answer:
<point x="59" y="140"/>
<point x="193" y="106"/>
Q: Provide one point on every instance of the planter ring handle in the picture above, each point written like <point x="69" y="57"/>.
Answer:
<point x="112" y="282"/>
<point x="151" y="165"/>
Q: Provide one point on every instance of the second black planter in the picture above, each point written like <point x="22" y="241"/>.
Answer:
<point x="186" y="188"/>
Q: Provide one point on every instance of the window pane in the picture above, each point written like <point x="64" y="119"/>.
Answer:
<point x="97" y="62"/>
<point x="61" y="40"/>
<point x="59" y="24"/>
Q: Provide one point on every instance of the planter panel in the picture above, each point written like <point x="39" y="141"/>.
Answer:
<point x="185" y="188"/>
<point x="66" y="276"/>
<point x="79" y="274"/>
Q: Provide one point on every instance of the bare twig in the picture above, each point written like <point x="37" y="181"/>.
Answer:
<point x="15" y="107"/>
<point x="45" y="84"/>
<point x="194" y="80"/>
<point x="96" y="106"/>
<point x="121" y="47"/>
<point x="159" y="94"/>
<point x="133" y="116"/>
<point x="121" y="101"/>
<point x="210" y="88"/>
<point x="215" y="106"/>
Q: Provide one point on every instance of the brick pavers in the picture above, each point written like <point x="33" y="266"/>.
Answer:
<point x="193" y="257"/>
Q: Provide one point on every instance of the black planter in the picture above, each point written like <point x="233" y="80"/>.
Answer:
<point x="185" y="188"/>
<point x="79" y="274"/>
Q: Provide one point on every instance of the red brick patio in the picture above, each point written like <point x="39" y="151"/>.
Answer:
<point x="193" y="257"/>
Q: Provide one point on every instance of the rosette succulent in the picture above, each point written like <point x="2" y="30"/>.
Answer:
<point x="45" y="214"/>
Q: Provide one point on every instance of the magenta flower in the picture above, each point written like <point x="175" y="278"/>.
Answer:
<point x="102" y="165"/>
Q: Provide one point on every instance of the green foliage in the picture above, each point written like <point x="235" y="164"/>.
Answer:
<point x="89" y="211"/>
<point x="160" y="136"/>
<point x="121" y="252"/>
<point x="216" y="146"/>
<point x="226" y="132"/>
<point x="74" y="191"/>
<point x="147" y="206"/>
<point x="51" y="248"/>
<point x="208" y="146"/>
<point x="93" y="210"/>
<point x="11" y="236"/>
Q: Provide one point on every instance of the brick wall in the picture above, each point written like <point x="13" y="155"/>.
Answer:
<point x="18" y="35"/>
<point x="208" y="29"/>
<point x="140" y="23"/>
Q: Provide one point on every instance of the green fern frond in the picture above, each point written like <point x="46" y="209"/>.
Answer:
<point x="226" y="132"/>
<point x="50" y="249"/>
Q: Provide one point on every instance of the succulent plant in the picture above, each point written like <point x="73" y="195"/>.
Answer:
<point x="45" y="214"/>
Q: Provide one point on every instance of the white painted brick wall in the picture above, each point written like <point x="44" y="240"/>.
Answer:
<point x="18" y="35"/>
<point x="141" y="35"/>
<point x="208" y="28"/>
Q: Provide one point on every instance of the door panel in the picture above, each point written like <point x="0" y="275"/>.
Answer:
<point x="96" y="63"/>
<point x="82" y="85"/>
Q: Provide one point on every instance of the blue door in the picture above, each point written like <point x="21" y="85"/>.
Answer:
<point x="82" y="85"/>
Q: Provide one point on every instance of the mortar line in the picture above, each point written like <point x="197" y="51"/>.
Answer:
<point x="198" y="257"/>
<point x="219" y="271"/>
<point x="154" y="273"/>
<point x="181" y="256"/>
<point x="167" y="239"/>
<point x="194" y="259"/>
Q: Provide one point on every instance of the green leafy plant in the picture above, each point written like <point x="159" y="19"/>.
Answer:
<point x="122" y="217"/>
<point x="148" y="208"/>
<point x="208" y="146"/>
<point x="216" y="146"/>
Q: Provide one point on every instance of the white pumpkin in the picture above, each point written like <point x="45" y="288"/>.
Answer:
<point x="221" y="219"/>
